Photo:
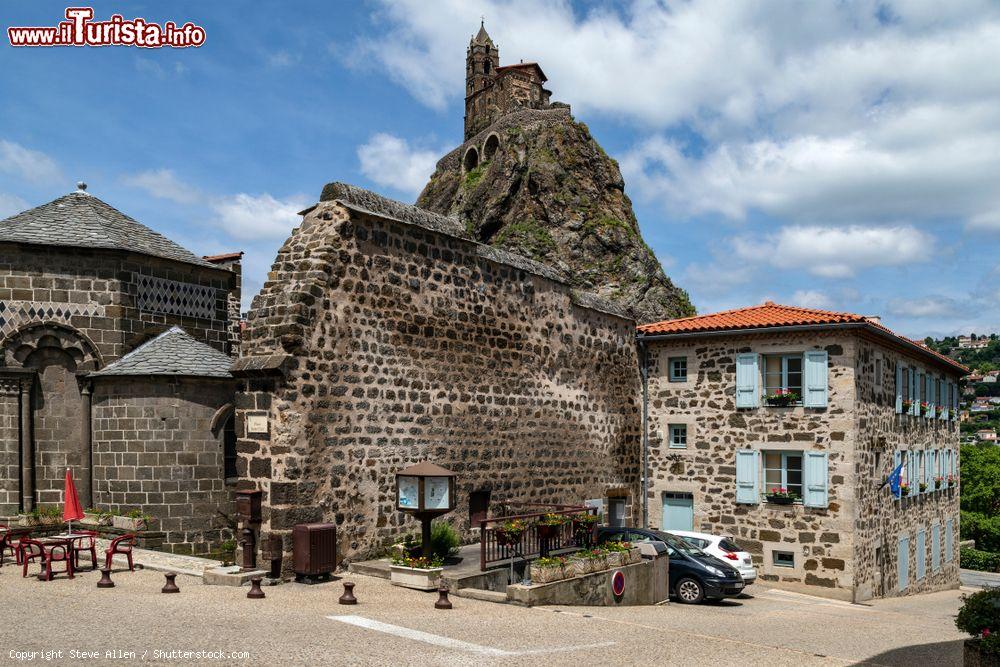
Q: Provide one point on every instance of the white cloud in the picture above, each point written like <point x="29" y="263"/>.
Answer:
<point x="811" y="299"/>
<point x="833" y="252"/>
<point x="163" y="183"/>
<point x="987" y="221"/>
<point x="933" y="306"/>
<point x="10" y="204"/>
<point x="28" y="164"/>
<point x="247" y="216"/>
<point x="391" y="161"/>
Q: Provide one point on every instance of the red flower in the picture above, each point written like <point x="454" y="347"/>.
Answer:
<point x="784" y="490"/>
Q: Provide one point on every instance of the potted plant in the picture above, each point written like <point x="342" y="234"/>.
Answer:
<point x="548" y="525"/>
<point x="923" y="487"/>
<point x="228" y="552"/>
<point x="510" y="532"/>
<point x="97" y="516"/>
<point x="583" y="528"/>
<point x="924" y="408"/>
<point x="32" y="518"/>
<point x="907" y="406"/>
<point x="904" y="489"/>
<point x="781" y="496"/>
<point x="616" y="554"/>
<point x="938" y="482"/>
<point x="422" y="574"/>
<point x="134" y="520"/>
<point x="546" y="570"/>
<point x="50" y="516"/>
<point x="782" y="398"/>
<point x="952" y="481"/>
<point x="980" y="612"/>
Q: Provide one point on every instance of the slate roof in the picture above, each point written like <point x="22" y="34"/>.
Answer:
<point x="81" y="220"/>
<point x="770" y="315"/>
<point x="173" y="352"/>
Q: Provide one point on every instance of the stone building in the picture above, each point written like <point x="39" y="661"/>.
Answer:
<point x="746" y="403"/>
<point x="383" y="337"/>
<point x="492" y="91"/>
<point x="81" y="286"/>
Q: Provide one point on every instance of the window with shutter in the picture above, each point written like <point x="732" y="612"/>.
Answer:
<point x="931" y="397"/>
<point x="899" y="389"/>
<point x="949" y="545"/>
<point x="936" y="548"/>
<point x="816" y="380"/>
<point x="747" y="381"/>
<point x="816" y="479"/>
<point x="914" y="398"/>
<point x="921" y="554"/>
<point x="903" y="562"/>
<point x="747" y="488"/>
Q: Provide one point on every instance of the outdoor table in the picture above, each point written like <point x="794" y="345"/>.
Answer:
<point x="65" y="541"/>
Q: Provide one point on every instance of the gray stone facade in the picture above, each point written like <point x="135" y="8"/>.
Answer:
<point x="833" y="547"/>
<point x="381" y="340"/>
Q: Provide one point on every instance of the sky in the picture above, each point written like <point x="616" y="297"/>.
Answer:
<point x="838" y="155"/>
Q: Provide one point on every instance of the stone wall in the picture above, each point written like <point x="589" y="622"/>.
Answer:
<point x="406" y="343"/>
<point x="880" y="519"/>
<point x="820" y="538"/>
<point x="10" y="433"/>
<point x="158" y="446"/>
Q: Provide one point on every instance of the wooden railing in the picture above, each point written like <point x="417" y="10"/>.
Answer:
<point x="530" y="544"/>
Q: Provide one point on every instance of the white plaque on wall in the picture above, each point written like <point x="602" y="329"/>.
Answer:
<point x="257" y="424"/>
<point x="409" y="493"/>
<point x="436" y="493"/>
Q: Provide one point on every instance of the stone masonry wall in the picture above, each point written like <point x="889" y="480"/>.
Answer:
<point x="881" y="519"/>
<point x="409" y="344"/>
<point x="154" y="449"/>
<point x="10" y="433"/>
<point x="821" y="539"/>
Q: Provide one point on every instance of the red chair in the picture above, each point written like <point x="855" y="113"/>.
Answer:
<point x="29" y="550"/>
<point x="84" y="545"/>
<point x="5" y="544"/>
<point x="58" y="553"/>
<point x="121" y="545"/>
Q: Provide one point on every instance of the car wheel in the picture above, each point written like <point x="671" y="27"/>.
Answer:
<point x="689" y="591"/>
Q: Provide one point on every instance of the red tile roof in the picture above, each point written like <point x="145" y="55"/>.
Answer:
<point x="771" y="314"/>
<point x="503" y="68"/>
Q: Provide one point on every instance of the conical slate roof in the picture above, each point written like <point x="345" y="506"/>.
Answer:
<point x="482" y="37"/>
<point x="173" y="352"/>
<point x="80" y="220"/>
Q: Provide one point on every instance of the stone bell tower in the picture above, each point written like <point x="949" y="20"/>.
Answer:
<point x="482" y="60"/>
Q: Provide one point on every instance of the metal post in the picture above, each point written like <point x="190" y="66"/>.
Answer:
<point x="249" y="548"/>
<point x="425" y="530"/>
<point x="27" y="449"/>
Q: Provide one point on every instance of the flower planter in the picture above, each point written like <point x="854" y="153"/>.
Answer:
<point x="613" y="559"/>
<point x="545" y="575"/>
<point x="780" y="500"/>
<point x="418" y="579"/>
<point x="96" y="519"/>
<point x="633" y="555"/>
<point x="27" y="520"/>
<point x="508" y="539"/>
<point x="547" y="532"/>
<point x="128" y="523"/>
<point x="575" y="567"/>
<point x="599" y="563"/>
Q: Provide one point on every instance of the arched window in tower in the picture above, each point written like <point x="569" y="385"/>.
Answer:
<point x="486" y="67"/>
<point x="490" y="147"/>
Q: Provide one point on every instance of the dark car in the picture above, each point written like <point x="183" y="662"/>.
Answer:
<point x="694" y="574"/>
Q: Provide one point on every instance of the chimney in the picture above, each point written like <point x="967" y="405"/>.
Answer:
<point x="874" y="319"/>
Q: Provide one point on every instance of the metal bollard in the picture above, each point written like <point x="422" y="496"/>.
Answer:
<point x="443" y="602"/>
<point x="255" y="592"/>
<point x="171" y="585"/>
<point x="348" y="596"/>
<point x="105" y="581"/>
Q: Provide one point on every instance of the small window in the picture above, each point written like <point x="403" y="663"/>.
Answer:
<point x="678" y="369"/>
<point x="783" y="470"/>
<point x="678" y="436"/>
<point x="783" y="377"/>
<point x="783" y="558"/>
<point x="906" y="385"/>
<point x="878" y="370"/>
<point x="229" y="455"/>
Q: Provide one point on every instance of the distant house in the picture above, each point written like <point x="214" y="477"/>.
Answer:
<point x="992" y="376"/>
<point x="968" y="343"/>
<point x="980" y="405"/>
<point x="971" y="379"/>
<point x="986" y="435"/>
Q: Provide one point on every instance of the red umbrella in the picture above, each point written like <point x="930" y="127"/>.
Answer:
<point x="71" y="508"/>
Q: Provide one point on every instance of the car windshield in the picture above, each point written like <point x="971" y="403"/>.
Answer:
<point x="729" y="545"/>
<point x="677" y="544"/>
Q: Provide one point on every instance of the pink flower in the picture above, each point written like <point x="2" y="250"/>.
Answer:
<point x="784" y="490"/>
<point x="986" y="632"/>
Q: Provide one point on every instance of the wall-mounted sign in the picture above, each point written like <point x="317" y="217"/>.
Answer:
<point x="618" y="584"/>
<point x="409" y="492"/>
<point x="256" y="424"/>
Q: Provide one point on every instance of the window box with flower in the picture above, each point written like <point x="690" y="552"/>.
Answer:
<point x="780" y="496"/>
<point x="509" y="533"/>
<point x="938" y="482"/>
<point x="904" y="489"/>
<point x="547" y="570"/>
<point x="925" y="408"/>
<point x="548" y="526"/>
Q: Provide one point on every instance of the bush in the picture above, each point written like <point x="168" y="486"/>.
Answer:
<point x="984" y="561"/>
<point x="980" y="611"/>
<point x="985" y="530"/>
<point x="444" y="540"/>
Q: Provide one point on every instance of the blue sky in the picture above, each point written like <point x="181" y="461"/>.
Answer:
<point x="838" y="155"/>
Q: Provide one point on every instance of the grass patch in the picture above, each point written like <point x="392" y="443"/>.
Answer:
<point x="529" y="235"/>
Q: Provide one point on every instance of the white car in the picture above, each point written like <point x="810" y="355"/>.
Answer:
<point x="724" y="548"/>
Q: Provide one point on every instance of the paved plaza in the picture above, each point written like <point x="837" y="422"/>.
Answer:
<point x="298" y="624"/>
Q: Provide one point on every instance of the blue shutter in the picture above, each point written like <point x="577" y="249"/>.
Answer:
<point x="949" y="545"/>
<point x="935" y="467"/>
<point x="935" y="547"/>
<point x="954" y="401"/>
<point x="899" y="389"/>
<point x="921" y="554"/>
<point x="816" y="474"/>
<point x="944" y="399"/>
<point x="747" y="381"/>
<point x="914" y="394"/>
<point x="932" y="396"/>
<point x="816" y="380"/>
<point x="747" y="491"/>
<point x="903" y="562"/>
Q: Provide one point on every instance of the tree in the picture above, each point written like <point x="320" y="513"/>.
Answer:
<point x="980" y="467"/>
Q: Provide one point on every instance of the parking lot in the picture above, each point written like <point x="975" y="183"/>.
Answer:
<point x="300" y="624"/>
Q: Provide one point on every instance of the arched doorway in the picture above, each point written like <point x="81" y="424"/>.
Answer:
<point x="471" y="159"/>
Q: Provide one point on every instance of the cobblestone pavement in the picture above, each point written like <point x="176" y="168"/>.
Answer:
<point x="393" y="626"/>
